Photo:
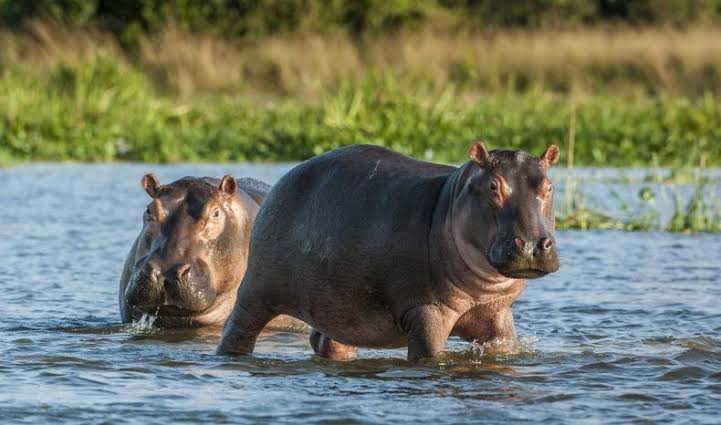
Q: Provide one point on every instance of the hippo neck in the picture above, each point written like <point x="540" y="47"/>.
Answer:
<point x="455" y="262"/>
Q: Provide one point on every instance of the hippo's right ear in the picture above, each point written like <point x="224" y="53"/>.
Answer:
<point x="479" y="154"/>
<point x="228" y="185"/>
<point x="549" y="156"/>
<point x="151" y="185"/>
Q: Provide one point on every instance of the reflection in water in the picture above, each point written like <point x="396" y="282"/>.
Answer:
<point x="629" y="330"/>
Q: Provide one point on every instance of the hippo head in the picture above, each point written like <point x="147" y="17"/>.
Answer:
<point x="506" y="207"/>
<point x="189" y="257"/>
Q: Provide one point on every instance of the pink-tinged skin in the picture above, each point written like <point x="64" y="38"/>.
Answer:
<point x="192" y="252"/>
<point x="375" y="249"/>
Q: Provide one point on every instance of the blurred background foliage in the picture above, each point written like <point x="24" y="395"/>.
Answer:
<point x="130" y="18"/>
<point x="632" y="82"/>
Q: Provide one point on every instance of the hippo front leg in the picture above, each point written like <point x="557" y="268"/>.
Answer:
<point x="246" y="321"/>
<point x="481" y="326"/>
<point x="428" y="329"/>
<point x="330" y="348"/>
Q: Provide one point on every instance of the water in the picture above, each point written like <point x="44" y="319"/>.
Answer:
<point x="629" y="330"/>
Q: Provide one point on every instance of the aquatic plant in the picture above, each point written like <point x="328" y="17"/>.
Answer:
<point x="702" y="213"/>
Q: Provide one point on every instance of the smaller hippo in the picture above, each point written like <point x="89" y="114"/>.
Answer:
<point x="375" y="249"/>
<point x="185" y="266"/>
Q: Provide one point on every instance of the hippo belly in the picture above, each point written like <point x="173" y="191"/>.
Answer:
<point x="337" y="293"/>
<point x="367" y="328"/>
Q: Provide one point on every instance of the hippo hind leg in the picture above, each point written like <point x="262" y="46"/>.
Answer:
<point x="331" y="349"/>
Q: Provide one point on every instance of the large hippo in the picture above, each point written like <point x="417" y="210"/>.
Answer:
<point x="185" y="266"/>
<point x="375" y="249"/>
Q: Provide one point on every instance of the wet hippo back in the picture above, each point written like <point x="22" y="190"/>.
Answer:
<point x="335" y="202"/>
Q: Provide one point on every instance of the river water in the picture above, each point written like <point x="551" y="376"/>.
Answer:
<point x="628" y="331"/>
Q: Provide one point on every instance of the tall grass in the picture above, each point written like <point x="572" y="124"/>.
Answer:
<point x="642" y="62"/>
<point x="620" y="60"/>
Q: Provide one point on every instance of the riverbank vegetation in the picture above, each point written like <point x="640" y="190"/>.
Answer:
<point x="72" y="95"/>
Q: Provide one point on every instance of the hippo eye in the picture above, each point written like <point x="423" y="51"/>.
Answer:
<point x="550" y="188"/>
<point x="496" y="197"/>
<point x="216" y="213"/>
<point x="148" y="214"/>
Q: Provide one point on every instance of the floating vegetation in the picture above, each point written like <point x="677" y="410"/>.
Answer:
<point x="701" y="213"/>
<point x="577" y="214"/>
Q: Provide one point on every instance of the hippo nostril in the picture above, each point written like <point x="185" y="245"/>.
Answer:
<point x="183" y="271"/>
<point x="519" y="243"/>
<point x="151" y="271"/>
<point x="546" y="243"/>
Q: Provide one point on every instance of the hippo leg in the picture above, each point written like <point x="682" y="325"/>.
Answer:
<point x="428" y="329"/>
<point x="330" y="348"/>
<point x="479" y="326"/>
<point x="243" y="327"/>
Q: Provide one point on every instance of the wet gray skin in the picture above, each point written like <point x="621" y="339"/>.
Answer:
<point x="375" y="249"/>
<point x="190" y="256"/>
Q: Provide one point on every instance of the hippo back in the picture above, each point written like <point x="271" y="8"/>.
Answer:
<point x="356" y="211"/>
<point x="256" y="189"/>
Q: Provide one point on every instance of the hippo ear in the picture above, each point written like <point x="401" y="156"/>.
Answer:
<point x="151" y="185"/>
<point x="228" y="185"/>
<point x="550" y="156"/>
<point x="479" y="154"/>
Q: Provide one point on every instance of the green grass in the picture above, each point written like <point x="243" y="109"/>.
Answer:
<point x="104" y="110"/>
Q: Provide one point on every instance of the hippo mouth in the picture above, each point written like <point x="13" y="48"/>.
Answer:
<point x="172" y="310"/>
<point x="170" y="315"/>
<point x="524" y="273"/>
<point x="169" y="310"/>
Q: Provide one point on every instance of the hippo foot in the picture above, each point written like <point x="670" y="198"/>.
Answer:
<point x="331" y="349"/>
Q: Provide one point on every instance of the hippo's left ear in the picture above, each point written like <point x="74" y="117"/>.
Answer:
<point x="479" y="154"/>
<point x="228" y="185"/>
<point x="549" y="156"/>
<point x="151" y="185"/>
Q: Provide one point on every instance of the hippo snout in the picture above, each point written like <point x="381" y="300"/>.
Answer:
<point x="189" y="287"/>
<point x="145" y="290"/>
<point x="525" y="258"/>
<point x="177" y="290"/>
<point x="535" y="249"/>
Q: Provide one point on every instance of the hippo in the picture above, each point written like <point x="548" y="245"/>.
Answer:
<point x="190" y="256"/>
<point x="375" y="249"/>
